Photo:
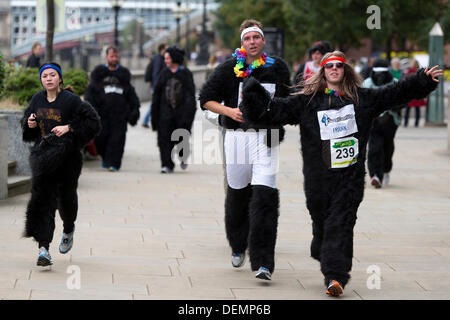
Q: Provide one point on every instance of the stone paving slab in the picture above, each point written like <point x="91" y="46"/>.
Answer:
<point x="145" y="236"/>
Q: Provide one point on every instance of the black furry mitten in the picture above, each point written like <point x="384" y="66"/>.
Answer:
<point x="255" y="100"/>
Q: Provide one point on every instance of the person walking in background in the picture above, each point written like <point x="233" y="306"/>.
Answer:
<point x="335" y="117"/>
<point x="112" y="95"/>
<point x="382" y="134"/>
<point x="151" y="75"/>
<point x="315" y="54"/>
<point x="397" y="73"/>
<point x="173" y="107"/>
<point x="60" y="124"/>
<point x="34" y="60"/>
<point x="415" y="104"/>
<point x="251" y="152"/>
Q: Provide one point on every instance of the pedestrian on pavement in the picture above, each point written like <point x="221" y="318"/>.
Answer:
<point x="415" y="103"/>
<point x="60" y="124"/>
<point x="251" y="152"/>
<point x="113" y="96"/>
<point x="382" y="134"/>
<point x="152" y="71"/>
<point x="335" y="117"/>
<point x="310" y="67"/>
<point x="397" y="73"/>
<point x="34" y="60"/>
<point x="173" y="107"/>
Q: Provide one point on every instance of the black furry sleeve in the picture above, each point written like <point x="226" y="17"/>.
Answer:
<point x="134" y="103"/>
<point x="29" y="134"/>
<point x="417" y="86"/>
<point x="85" y="123"/>
<point x="214" y="87"/>
<point x="156" y="100"/>
<point x="258" y="108"/>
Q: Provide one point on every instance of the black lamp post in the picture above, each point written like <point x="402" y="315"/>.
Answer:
<point x="178" y="14"/>
<point x="203" y="56"/>
<point x="116" y="4"/>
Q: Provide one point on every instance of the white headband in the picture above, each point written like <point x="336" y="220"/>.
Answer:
<point x="247" y="30"/>
<point x="380" y="69"/>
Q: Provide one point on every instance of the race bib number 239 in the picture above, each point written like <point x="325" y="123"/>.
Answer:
<point x="344" y="152"/>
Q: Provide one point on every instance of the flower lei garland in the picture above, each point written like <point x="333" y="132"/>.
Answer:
<point x="241" y="55"/>
<point x="333" y="92"/>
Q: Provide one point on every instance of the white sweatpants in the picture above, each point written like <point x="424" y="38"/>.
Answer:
<point x="249" y="160"/>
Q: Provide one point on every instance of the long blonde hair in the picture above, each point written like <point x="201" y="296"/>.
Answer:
<point x="318" y="83"/>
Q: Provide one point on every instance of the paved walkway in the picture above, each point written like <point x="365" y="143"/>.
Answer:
<point x="143" y="235"/>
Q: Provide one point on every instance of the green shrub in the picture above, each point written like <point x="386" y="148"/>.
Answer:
<point x="2" y="74"/>
<point x="22" y="83"/>
<point x="78" y="79"/>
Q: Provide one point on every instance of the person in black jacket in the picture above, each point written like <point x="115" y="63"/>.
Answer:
<point x="251" y="152"/>
<point x="34" y="60"/>
<point x="110" y="92"/>
<point x="152" y="71"/>
<point x="60" y="124"/>
<point x="335" y="116"/>
<point x="173" y="107"/>
<point x="310" y="67"/>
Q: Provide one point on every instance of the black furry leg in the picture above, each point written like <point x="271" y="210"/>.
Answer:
<point x="263" y="215"/>
<point x="40" y="214"/>
<point x="337" y="246"/>
<point x="236" y="217"/>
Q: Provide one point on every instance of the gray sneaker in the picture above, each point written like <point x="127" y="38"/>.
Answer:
<point x="263" y="273"/>
<point x="238" y="259"/>
<point x="166" y="170"/>
<point x="44" y="258"/>
<point x="66" y="242"/>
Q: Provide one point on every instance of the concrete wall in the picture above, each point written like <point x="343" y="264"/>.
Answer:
<point x="3" y="157"/>
<point x="17" y="149"/>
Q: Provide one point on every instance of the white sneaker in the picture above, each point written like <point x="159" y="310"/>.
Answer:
<point x="263" y="273"/>
<point x="238" y="259"/>
<point x="385" y="179"/>
<point x="376" y="182"/>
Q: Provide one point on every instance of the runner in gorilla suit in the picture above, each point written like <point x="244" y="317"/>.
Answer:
<point x="333" y="189"/>
<point x="113" y="96"/>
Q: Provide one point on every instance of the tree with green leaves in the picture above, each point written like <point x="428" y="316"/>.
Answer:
<point x="343" y="23"/>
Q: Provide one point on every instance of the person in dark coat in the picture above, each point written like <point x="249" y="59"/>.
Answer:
<point x="335" y="116"/>
<point x="251" y="151"/>
<point x="112" y="95"/>
<point x="60" y="124"/>
<point x="173" y="107"/>
<point x="34" y="60"/>
<point x="384" y="127"/>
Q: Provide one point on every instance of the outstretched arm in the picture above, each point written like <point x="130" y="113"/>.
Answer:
<point x="417" y="86"/>
<point x="258" y="108"/>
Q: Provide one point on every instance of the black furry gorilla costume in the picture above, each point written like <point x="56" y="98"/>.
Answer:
<point x="332" y="195"/>
<point x="56" y="162"/>
<point x="173" y="107"/>
<point x="114" y="98"/>
<point x="251" y="213"/>
<point x="381" y="141"/>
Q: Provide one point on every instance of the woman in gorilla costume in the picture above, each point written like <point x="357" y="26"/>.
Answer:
<point x="60" y="124"/>
<point x="335" y="116"/>
<point x="381" y="140"/>
<point x="173" y="107"/>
